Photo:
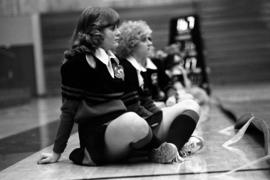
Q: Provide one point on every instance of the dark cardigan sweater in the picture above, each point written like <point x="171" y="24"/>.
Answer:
<point x="94" y="85"/>
<point x="137" y="99"/>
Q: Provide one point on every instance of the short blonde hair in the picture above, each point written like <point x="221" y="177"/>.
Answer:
<point x="131" y="33"/>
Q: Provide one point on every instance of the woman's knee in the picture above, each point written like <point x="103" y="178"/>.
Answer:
<point x="136" y="125"/>
<point x="122" y="132"/>
<point x="190" y="104"/>
<point x="130" y="125"/>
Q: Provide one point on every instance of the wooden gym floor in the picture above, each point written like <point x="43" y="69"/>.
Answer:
<point x="28" y="130"/>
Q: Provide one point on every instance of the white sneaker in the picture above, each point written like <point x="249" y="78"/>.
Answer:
<point x="194" y="144"/>
<point x="166" y="153"/>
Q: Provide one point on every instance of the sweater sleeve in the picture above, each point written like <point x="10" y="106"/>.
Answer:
<point x="72" y="91"/>
<point x="68" y="110"/>
<point x="147" y="101"/>
<point x="73" y="78"/>
<point x="146" y="97"/>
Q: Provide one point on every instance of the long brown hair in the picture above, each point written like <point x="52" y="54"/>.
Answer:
<point x="88" y="34"/>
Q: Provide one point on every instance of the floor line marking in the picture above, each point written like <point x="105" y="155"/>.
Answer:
<point x="173" y="174"/>
<point x="264" y="158"/>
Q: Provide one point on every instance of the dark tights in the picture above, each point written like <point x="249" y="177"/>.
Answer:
<point x="182" y="128"/>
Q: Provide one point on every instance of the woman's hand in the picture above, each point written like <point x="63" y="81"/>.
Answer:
<point x="47" y="158"/>
<point x="170" y="101"/>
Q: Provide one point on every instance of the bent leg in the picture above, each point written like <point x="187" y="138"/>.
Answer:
<point x="124" y="133"/>
<point x="178" y="122"/>
<point x="91" y="151"/>
<point x="182" y="128"/>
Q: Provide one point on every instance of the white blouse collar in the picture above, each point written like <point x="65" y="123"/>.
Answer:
<point x="105" y="57"/>
<point x="139" y="67"/>
<point x="150" y="64"/>
<point x="135" y="64"/>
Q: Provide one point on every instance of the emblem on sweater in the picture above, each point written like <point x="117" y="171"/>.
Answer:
<point x="154" y="78"/>
<point x="119" y="72"/>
